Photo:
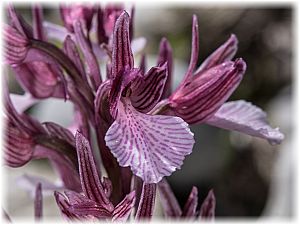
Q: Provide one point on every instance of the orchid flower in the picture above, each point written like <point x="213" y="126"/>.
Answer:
<point x="152" y="145"/>
<point x="141" y="126"/>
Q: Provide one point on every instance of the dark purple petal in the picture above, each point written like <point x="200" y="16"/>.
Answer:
<point x="38" y="17"/>
<point x="224" y="53"/>
<point x="168" y="200"/>
<point x="165" y="55"/>
<point x="147" y="202"/>
<point x="101" y="102"/>
<point x="190" y="206"/>
<point x="85" y="208"/>
<point x="18" y="22"/>
<point x="91" y="61"/>
<point x="90" y="181"/>
<point x="194" y="51"/>
<point x="147" y="90"/>
<point x="153" y="146"/>
<point x="38" y="202"/>
<point x="64" y="206"/>
<point x="16" y="46"/>
<point x="208" y="207"/>
<point x="101" y="34"/>
<point x="122" y="211"/>
<point x="200" y="98"/>
<point x="18" y="146"/>
<point x="244" y="117"/>
<point x="72" y="52"/>
<point x="121" y="54"/>
<point x="60" y="132"/>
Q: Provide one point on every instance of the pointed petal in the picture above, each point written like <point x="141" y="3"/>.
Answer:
<point x="72" y="52"/>
<point x="18" y="146"/>
<point x="147" y="90"/>
<point x="18" y="22"/>
<point x="38" y="202"/>
<point x="190" y="206"/>
<point x="122" y="211"/>
<point x="64" y="206"/>
<point x="194" y="51"/>
<point x="29" y="182"/>
<point x="16" y="46"/>
<point x="165" y="55"/>
<point x="201" y="98"/>
<point x="168" y="200"/>
<point x="91" y="61"/>
<point x="224" y="53"/>
<point x="101" y="102"/>
<point x="208" y="207"/>
<point x="90" y="181"/>
<point x="153" y="146"/>
<point x="101" y="35"/>
<point x="84" y="207"/>
<point x="147" y="202"/>
<point x="38" y="17"/>
<point x="244" y="117"/>
<point x="121" y="54"/>
<point x="60" y="132"/>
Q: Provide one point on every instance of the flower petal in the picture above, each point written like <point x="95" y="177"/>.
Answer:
<point x="121" y="54"/>
<point x="38" y="202"/>
<point x="208" y="207"/>
<point x="165" y="55"/>
<point x="89" y="56"/>
<point x="244" y="117"/>
<point x="153" y="146"/>
<point x="90" y="181"/>
<point x="194" y="51"/>
<point x="60" y="132"/>
<point x="147" y="90"/>
<point x="199" y="99"/>
<point x="189" y="209"/>
<point x="122" y="211"/>
<point x="64" y="206"/>
<point x="168" y="200"/>
<point x="224" y="53"/>
<point x="54" y="31"/>
<point x="38" y="17"/>
<point x="147" y="202"/>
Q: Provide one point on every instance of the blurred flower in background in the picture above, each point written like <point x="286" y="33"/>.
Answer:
<point x="250" y="178"/>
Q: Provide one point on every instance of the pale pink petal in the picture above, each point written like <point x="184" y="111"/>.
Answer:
<point x="153" y="146"/>
<point x="244" y="117"/>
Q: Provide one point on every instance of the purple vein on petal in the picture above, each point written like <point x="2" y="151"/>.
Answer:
<point x="147" y="202"/>
<point x="90" y="180"/>
<point x="121" y="54"/>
